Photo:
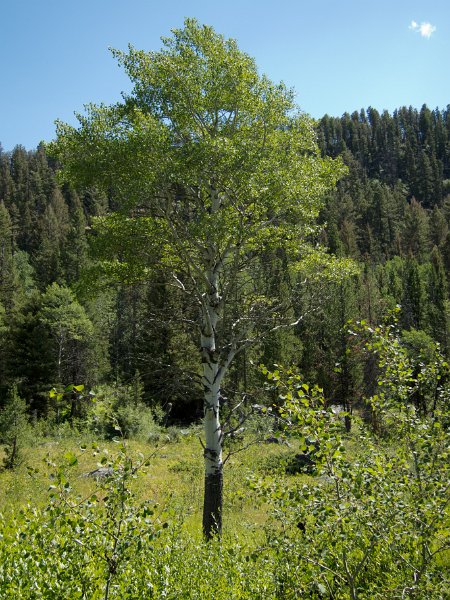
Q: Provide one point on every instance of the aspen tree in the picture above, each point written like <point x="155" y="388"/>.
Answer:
<point x="211" y="166"/>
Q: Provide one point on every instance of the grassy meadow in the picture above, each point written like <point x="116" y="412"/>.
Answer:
<point x="173" y="477"/>
<point x="360" y="526"/>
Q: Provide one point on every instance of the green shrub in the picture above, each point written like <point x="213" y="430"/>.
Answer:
<point x="115" y="411"/>
<point x="15" y="430"/>
<point x="371" y="526"/>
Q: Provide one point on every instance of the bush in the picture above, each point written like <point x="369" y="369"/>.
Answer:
<point x="115" y="411"/>
<point x="110" y="546"/>
<point x="371" y="526"/>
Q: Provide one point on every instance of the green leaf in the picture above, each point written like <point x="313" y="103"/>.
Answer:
<point x="71" y="458"/>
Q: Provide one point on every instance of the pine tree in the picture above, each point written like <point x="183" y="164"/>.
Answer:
<point x="13" y="428"/>
<point x="53" y="227"/>
<point x="27" y="354"/>
<point x="438" y="306"/>
<point x="3" y="338"/>
<point x="6" y="181"/>
<point x="413" y="302"/>
<point x="70" y="333"/>
<point x="439" y="227"/>
<point x="8" y="283"/>
<point x="74" y="246"/>
<point x="415" y="234"/>
<point x="50" y="343"/>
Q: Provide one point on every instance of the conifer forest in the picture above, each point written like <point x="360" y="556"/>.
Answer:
<point x="224" y="344"/>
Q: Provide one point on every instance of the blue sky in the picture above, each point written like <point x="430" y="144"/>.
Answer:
<point x="339" y="55"/>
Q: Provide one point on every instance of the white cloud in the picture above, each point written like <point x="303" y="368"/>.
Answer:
<point x="425" y="29"/>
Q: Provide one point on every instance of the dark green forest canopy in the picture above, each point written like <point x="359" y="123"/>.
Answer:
<point x="391" y="213"/>
<point x="409" y="145"/>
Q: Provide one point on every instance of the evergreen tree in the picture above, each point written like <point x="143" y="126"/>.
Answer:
<point x="413" y="302"/>
<point x="70" y="334"/>
<point x="50" y="343"/>
<point x="74" y="246"/>
<point x="166" y="352"/>
<point x="13" y="428"/>
<point x="8" y="281"/>
<point x="391" y="286"/>
<point x="53" y="227"/>
<point x="348" y="366"/>
<point x="437" y="300"/>
<point x="415" y="234"/>
<point x="424" y="185"/>
<point x="26" y="278"/>
<point x="439" y="227"/>
<point x="3" y="337"/>
<point x="28" y="358"/>
<point x="6" y="180"/>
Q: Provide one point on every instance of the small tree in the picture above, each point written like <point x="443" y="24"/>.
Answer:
<point x="375" y="524"/>
<point x="213" y="168"/>
<point x="70" y="332"/>
<point x="13" y="428"/>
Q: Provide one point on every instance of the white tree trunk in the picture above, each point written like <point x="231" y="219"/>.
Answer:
<point x="213" y="497"/>
<point x="212" y="377"/>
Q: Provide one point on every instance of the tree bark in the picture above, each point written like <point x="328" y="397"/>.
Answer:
<point x="212" y="377"/>
<point x="212" y="505"/>
<point x="213" y="496"/>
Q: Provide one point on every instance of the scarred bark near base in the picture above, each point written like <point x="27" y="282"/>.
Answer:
<point x="212" y="506"/>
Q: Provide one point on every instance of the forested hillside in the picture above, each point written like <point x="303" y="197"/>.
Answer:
<point x="63" y="321"/>
<point x="205" y="252"/>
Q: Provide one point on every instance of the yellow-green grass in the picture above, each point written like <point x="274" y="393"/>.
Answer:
<point x="173" y="477"/>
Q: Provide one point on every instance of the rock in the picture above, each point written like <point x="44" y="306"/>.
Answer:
<point x="272" y="440"/>
<point x="275" y="440"/>
<point x="301" y="463"/>
<point x="304" y="462"/>
<point x="101" y="473"/>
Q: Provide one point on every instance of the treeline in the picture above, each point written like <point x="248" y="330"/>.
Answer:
<point x="57" y="328"/>
<point x="409" y="145"/>
<point x="391" y="214"/>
